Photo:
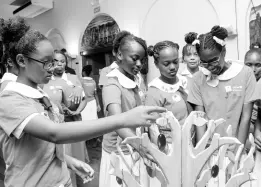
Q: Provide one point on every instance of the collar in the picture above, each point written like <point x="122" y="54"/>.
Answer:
<point x="122" y="79"/>
<point x="64" y="76"/>
<point x="8" y="77"/>
<point x="169" y="88"/>
<point x="187" y="73"/>
<point x="114" y="65"/>
<point x="25" y="90"/>
<point x="230" y="73"/>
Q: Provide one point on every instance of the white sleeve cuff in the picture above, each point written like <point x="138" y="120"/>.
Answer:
<point x="19" y="130"/>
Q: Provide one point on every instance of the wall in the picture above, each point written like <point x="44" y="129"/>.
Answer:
<point x="154" y="20"/>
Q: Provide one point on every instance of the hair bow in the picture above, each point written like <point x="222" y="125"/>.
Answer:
<point x="219" y="41"/>
<point x="196" y="41"/>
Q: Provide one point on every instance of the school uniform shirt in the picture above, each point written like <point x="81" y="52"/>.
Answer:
<point x="257" y="95"/>
<point x="60" y="90"/>
<point x="189" y="76"/>
<point x="255" y="107"/>
<point x="139" y="79"/>
<point x="224" y="96"/>
<point x="54" y="89"/>
<point x="123" y="91"/>
<point x="168" y="96"/>
<point x="7" y="77"/>
<point x="89" y="86"/>
<point x="103" y="78"/>
<point x="29" y="161"/>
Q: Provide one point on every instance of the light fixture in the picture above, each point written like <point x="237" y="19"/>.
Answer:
<point x="83" y="53"/>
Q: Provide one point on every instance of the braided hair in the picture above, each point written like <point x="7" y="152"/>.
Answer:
<point x="117" y="40"/>
<point x="254" y="48"/>
<point x="155" y="50"/>
<point x="121" y="42"/>
<point x="207" y="40"/>
<point x="189" y="39"/>
<point x="18" y="38"/>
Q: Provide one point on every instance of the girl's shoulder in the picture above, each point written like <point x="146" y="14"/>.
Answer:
<point x="113" y="81"/>
<point x="72" y="77"/>
<point x="119" y="79"/>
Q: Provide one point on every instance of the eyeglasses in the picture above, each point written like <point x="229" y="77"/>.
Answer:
<point x="212" y="63"/>
<point x="47" y="65"/>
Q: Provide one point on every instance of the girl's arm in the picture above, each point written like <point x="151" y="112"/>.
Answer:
<point x="81" y="107"/>
<point x="247" y="107"/>
<point x="258" y="130"/>
<point x="71" y="132"/>
<point x="81" y="168"/>
<point x="114" y="109"/>
<point x="200" y="131"/>
<point x="244" y="123"/>
<point x="97" y="102"/>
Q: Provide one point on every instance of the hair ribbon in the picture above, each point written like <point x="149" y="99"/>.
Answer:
<point x="219" y="41"/>
<point x="196" y="41"/>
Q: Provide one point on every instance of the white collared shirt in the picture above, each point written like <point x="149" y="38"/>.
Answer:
<point x="26" y="91"/>
<point x="187" y="73"/>
<point x="230" y="73"/>
<point x="8" y="77"/>
<point x="123" y="80"/>
<point x="70" y="83"/>
<point x="169" y="88"/>
<point x="114" y="65"/>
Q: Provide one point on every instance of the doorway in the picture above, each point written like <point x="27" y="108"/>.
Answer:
<point x="97" y="45"/>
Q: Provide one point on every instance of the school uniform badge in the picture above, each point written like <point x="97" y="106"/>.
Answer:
<point x="176" y="98"/>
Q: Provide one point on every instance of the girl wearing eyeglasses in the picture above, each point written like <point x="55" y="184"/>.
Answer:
<point x="223" y="88"/>
<point x="30" y="135"/>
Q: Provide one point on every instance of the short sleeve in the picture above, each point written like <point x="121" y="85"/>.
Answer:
<point x="250" y="87"/>
<point x="194" y="95"/>
<point x="14" y="109"/>
<point x="75" y="80"/>
<point x="111" y="94"/>
<point x="103" y="78"/>
<point x="152" y="97"/>
<point x="19" y="130"/>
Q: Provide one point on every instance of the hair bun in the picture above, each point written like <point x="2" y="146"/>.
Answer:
<point x="150" y="50"/>
<point x="13" y="29"/>
<point x="255" y="45"/>
<point x="190" y="37"/>
<point x="219" y="32"/>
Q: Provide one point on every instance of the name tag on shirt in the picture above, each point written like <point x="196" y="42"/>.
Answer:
<point x="228" y="89"/>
